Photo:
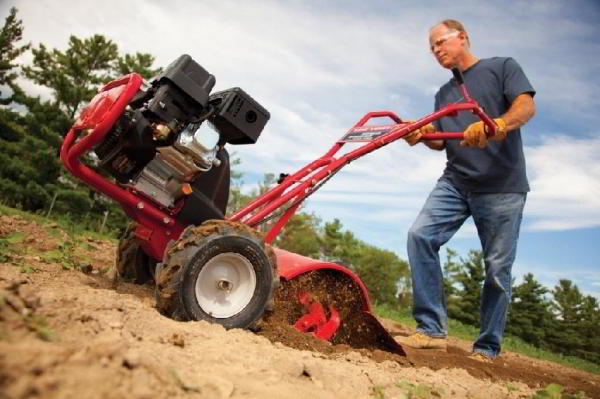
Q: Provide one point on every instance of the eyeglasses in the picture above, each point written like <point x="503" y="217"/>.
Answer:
<point x="443" y="39"/>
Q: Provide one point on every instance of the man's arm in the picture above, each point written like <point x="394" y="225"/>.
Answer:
<point x="520" y="112"/>
<point x="437" y="145"/>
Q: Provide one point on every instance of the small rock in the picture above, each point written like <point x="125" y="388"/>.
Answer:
<point x="131" y="359"/>
<point x="87" y="269"/>
<point x="177" y="340"/>
<point x="84" y="318"/>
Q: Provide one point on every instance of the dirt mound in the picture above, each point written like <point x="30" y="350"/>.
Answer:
<point x="335" y="291"/>
<point x="66" y="330"/>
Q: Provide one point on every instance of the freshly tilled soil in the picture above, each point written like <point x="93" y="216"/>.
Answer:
<point x="69" y="329"/>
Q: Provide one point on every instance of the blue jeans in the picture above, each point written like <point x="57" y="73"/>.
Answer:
<point x="497" y="217"/>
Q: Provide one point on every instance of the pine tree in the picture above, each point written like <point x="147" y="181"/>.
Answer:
<point x="451" y="270"/>
<point x="339" y="246"/>
<point x="33" y="138"/>
<point x="566" y="304"/>
<point x="589" y="329"/>
<point x="75" y="75"/>
<point x="140" y="63"/>
<point x="530" y="317"/>
<point x="464" y="307"/>
<point x="10" y="34"/>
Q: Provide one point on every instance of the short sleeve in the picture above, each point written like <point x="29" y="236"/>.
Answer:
<point x="515" y="81"/>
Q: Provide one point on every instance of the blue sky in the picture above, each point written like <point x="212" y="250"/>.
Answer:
<point x="319" y="66"/>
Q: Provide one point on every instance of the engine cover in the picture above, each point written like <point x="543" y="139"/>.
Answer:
<point x="238" y="118"/>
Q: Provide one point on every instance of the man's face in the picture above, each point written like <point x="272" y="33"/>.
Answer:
<point x="447" y="45"/>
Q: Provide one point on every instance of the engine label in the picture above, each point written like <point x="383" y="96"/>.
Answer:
<point x="366" y="133"/>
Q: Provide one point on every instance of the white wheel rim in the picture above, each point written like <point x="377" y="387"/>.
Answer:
<point x="225" y="285"/>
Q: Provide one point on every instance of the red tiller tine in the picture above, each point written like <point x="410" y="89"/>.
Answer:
<point x="304" y="298"/>
<point x="328" y="329"/>
<point x="313" y="319"/>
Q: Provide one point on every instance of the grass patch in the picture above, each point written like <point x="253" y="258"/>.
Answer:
<point x="9" y="245"/>
<point x="419" y="390"/>
<point x="555" y="391"/>
<point x="29" y="270"/>
<point x="39" y="325"/>
<point x="513" y="344"/>
<point x="378" y="392"/>
<point x="54" y="225"/>
<point x="16" y="237"/>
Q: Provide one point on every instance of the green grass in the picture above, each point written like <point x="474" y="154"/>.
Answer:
<point x="63" y="223"/>
<point x="555" y="391"/>
<point x="513" y="344"/>
<point x="65" y="254"/>
<point x="422" y="391"/>
<point x="39" y="325"/>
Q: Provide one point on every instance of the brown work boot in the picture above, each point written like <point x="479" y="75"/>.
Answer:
<point x="480" y="357"/>
<point x="422" y="341"/>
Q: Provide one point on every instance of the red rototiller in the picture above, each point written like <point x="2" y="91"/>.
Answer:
<point x="172" y="174"/>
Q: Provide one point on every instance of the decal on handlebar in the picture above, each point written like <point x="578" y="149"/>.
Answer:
<point x="366" y="133"/>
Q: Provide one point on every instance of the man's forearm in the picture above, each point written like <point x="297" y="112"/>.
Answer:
<point x="520" y="111"/>
<point x="437" y="145"/>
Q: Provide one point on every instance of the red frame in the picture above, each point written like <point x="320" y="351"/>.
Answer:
<point x="309" y="176"/>
<point x="156" y="225"/>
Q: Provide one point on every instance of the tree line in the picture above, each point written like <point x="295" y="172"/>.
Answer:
<point x="32" y="178"/>
<point x="562" y="319"/>
<point x="32" y="129"/>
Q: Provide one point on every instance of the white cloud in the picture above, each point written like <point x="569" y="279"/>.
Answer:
<point x="585" y="279"/>
<point x="565" y="181"/>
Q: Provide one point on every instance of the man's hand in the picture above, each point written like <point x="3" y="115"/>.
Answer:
<point x="413" y="137"/>
<point x="475" y="135"/>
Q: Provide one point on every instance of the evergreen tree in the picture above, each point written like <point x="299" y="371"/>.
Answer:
<point x="33" y="138"/>
<point x="140" y="63"/>
<point x="566" y="304"/>
<point x="589" y="329"/>
<point x="10" y="34"/>
<point x="339" y="246"/>
<point x="451" y="270"/>
<point x="530" y="317"/>
<point x="75" y="75"/>
<point x="464" y="307"/>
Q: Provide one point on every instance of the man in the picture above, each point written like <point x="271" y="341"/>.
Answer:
<point x="484" y="178"/>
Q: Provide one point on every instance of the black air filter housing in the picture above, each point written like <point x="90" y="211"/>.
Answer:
<point x="182" y="90"/>
<point x="238" y="118"/>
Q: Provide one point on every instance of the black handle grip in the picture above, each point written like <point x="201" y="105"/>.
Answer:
<point x="458" y="76"/>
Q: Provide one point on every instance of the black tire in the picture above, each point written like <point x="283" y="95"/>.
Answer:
<point x="201" y="248"/>
<point x="132" y="263"/>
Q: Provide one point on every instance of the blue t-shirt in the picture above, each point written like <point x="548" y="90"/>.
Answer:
<point x="500" y="167"/>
